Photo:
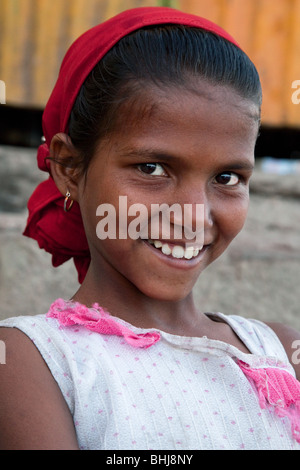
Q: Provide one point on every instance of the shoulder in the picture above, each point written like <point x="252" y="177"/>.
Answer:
<point x="290" y="339"/>
<point x="31" y="403"/>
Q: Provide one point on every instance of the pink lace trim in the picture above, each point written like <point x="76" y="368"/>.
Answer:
<point x="279" y="389"/>
<point x="99" y="321"/>
<point x="276" y="387"/>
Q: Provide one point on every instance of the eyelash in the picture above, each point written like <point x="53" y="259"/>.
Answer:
<point x="231" y="173"/>
<point x="142" y="167"/>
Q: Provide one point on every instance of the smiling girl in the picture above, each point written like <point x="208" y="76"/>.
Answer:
<point x="160" y="107"/>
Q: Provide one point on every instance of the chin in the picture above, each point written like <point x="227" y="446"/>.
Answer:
<point x="167" y="293"/>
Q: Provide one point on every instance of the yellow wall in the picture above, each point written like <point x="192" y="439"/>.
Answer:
<point x="269" y="32"/>
<point x="34" y="35"/>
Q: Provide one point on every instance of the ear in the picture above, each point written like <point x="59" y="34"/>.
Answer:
<point x="64" y="165"/>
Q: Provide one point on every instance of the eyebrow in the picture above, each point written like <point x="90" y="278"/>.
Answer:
<point x="148" y="153"/>
<point x="155" y="154"/>
<point x="238" y="166"/>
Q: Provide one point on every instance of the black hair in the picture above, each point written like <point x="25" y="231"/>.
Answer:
<point x="161" y="55"/>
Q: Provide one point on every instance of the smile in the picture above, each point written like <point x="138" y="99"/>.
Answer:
<point x="176" y="251"/>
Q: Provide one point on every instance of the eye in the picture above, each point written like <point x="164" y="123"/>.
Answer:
<point x="228" y="178"/>
<point x="153" y="169"/>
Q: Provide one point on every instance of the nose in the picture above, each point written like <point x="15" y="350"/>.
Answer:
<point x="194" y="196"/>
<point x="197" y="212"/>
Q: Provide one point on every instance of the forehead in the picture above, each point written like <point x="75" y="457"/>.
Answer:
<point x="149" y="102"/>
<point x="194" y="116"/>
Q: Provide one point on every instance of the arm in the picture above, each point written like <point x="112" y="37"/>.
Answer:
<point x="290" y="339"/>
<point x="33" y="412"/>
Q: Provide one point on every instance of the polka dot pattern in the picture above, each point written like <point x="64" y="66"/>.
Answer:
<point x="179" y="394"/>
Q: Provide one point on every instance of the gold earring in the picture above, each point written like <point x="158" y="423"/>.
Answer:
<point x="67" y="208"/>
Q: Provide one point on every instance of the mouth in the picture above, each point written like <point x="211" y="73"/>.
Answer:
<point x="177" y="251"/>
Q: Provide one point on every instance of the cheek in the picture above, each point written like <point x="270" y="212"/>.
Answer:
<point x="232" y="218"/>
<point x="88" y="206"/>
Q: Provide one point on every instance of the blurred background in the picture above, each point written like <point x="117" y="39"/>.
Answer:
<point x="259" y="275"/>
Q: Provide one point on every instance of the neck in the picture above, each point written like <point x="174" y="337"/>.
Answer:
<point x="124" y="300"/>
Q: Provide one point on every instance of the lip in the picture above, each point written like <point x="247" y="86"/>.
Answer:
<point x="182" y="243"/>
<point x="180" y="263"/>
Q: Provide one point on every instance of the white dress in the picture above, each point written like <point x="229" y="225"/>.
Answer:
<point x="175" y="393"/>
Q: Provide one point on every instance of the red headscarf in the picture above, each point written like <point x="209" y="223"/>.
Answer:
<point x="59" y="233"/>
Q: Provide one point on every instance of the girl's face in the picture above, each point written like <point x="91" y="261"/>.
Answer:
<point x="171" y="146"/>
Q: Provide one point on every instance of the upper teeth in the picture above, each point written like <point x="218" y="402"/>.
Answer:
<point x="177" y="251"/>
